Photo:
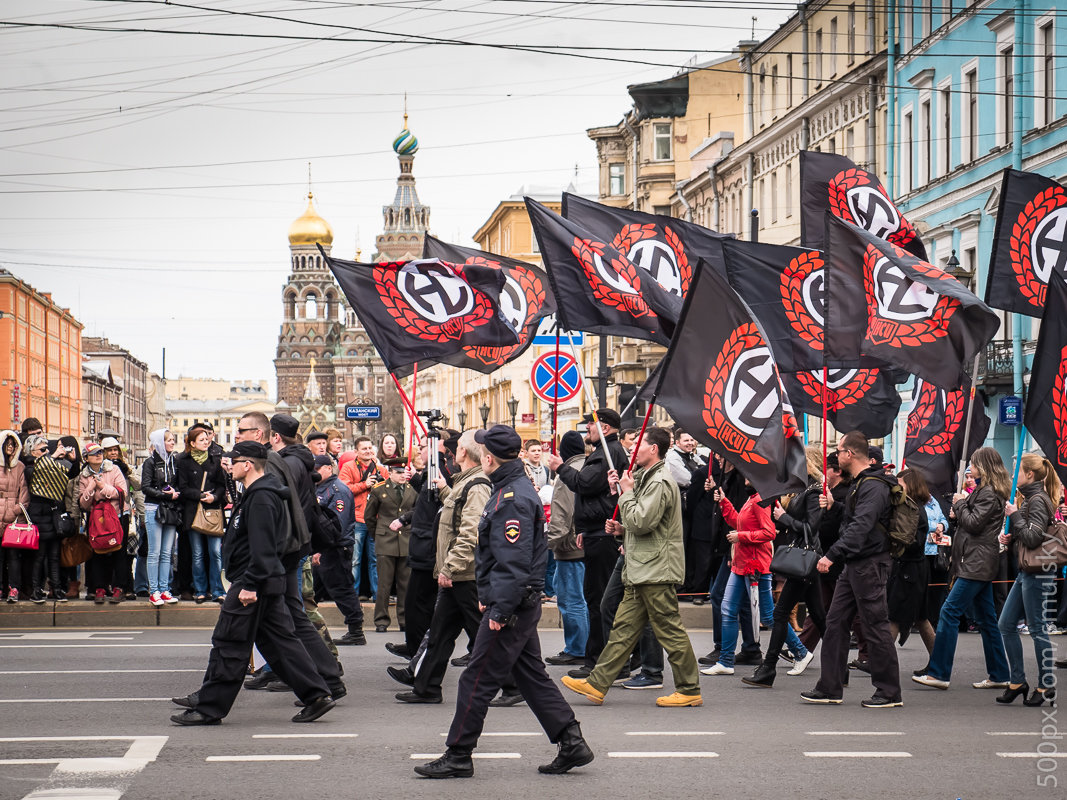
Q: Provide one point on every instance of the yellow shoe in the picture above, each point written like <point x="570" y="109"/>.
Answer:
<point x="584" y="688"/>
<point x="678" y="700"/>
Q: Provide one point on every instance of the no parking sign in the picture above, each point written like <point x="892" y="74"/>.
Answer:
<point x="555" y="381"/>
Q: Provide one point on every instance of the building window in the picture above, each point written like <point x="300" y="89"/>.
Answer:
<point x="774" y="92"/>
<point x="944" y="153"/>
<point x="1007" y="89"/>
<point x="762" y="88"/>
<point x="774" y="197"/>
<point x="851" y="43"/>
<point x="850" y="144"/>
<point x="833" y="46"/>
<point x="661" y="141"/>
<point x="788" y="190"/>
<point x="905" y="153"/>
<point x="616" y="179"/>
<point x="762" y="200"/>
<point x="926" y="142"/>
<point x="789" y="79"/>
<point x="1045" y="74"/>
<point x="971" y="114"/>
<point x="927" y="20"/>
<point x="818" y="55"/>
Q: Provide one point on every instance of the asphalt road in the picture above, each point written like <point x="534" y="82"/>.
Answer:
<point x="84" y="714"/>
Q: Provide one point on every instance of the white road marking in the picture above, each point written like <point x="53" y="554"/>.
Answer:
<point x="78" y="778"/>
<point x="264" y="758"/>
<point x="109" y="636"/>
<point x="855" y="733"/>
<point x="674" y="733"/>
<point x="1032" y="755"/>
<point x="94" y="671"/>
<point x="89" y="700"/>
<point x="123" y="646"/>
<point x="662" y="754"/>
<point x="431" y="756"/>
<point x="304" y="736"/>
<point x="856" y="754"/>
<point x="509" y="733"/>
<point x="1013" y="733"/>
<point x="17" y="762"/>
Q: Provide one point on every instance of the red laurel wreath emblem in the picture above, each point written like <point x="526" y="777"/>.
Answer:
<point x="633" y="304"/>
<point x="792" y="291"/>
<point x="905" y="334"/>
<point x="920" y="415"/>
<point x="718" y="423"/>
<point x="843" y="396"/>
<point x="635" y="232"/>
<point x="1022" y="232"/>
<point x="534" y="290"/>
<point x="1059" y="409"/>
<point x="854" y="177"/>
<point x="414" y="323"/>
<point x="941" y="442"/>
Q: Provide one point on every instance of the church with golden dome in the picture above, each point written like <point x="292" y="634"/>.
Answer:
<point x="324" y="359"/>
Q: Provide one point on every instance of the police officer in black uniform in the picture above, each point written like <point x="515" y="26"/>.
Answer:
<point x="510" y="571"/>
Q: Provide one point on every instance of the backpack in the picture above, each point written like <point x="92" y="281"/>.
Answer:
<point x="104" y="528"/>
<point x="903" y="518"/>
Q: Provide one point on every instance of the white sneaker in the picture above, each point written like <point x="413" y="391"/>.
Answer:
<point x="988" y="684"/>
<point x="929" y="680"/>
<point x="799" y="665"/>
<point x="717" y="669"/>
<point x="155" y="599"/>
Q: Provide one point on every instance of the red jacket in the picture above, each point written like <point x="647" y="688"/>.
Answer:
<point x="354" y="475"/>
<point x="755" y="535"/>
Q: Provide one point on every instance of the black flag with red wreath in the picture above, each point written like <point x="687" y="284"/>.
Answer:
<point x="426" y="309"/>
<point x="890" y="305"/>
<point x="830" y="182"/>
<point x="525" y="300"/>
<point x="784" y="288"/>
<point x="936" y="431"/>
<point x="719" y="382"/>
<point x="1046" y="400"/>
<point x="597" y="288"/>
<point x="666" y="248"/>
<point x="1030" y="242"/>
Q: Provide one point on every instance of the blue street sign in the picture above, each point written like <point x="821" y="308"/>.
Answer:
<point x="1011" y="411"/>
<point x="546" y="335"/>
<point x="363" y="412"/>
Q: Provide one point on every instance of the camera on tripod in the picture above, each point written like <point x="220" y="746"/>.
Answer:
<point x="432" y="415"/>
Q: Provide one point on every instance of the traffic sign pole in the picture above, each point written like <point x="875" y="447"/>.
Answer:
<point x="592" y="404"/>
<point x="555" y="399"/>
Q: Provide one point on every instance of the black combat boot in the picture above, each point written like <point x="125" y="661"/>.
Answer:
<point x="453" y="764"/>
<point x="573" y="752"/>
<point x="763" y="677"/>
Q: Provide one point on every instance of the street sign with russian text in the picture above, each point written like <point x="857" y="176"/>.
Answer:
<point x="363" y="412"/>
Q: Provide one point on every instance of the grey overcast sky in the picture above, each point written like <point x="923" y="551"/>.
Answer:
<point x="153" y="153"/>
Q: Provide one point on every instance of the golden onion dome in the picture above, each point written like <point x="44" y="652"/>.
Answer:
<point x="310" y="228"/>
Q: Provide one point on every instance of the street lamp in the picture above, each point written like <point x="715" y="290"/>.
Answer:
<point x="484" y="411"/>
<point x="513" y="407"/>
<point x="462" y="420"/>
<point x="953" y="268"/>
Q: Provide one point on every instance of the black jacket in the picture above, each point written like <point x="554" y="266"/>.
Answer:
<point x="1032" y="519"/>
<point x="593" y="502"/>
<point x="800" y="522"/>
<point x="301" y="463"/>
<point x="422" y="544"/>
<point x="190" y="475"/>
<point x="255" y="539"/>
<point x="707" y="524"/>
<point x="866" y="505"/>
<point x="154" y="477"/>
<point x="979" y="521"/>
<point x="512" y="548"/>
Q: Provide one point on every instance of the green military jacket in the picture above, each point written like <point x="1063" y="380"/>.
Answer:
<point x="651" y="514"/>
<point x="382" y="508"/>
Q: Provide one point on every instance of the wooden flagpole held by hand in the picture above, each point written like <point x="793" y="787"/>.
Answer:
<point x="592" y="403"/>
<point x="967" y="433"/>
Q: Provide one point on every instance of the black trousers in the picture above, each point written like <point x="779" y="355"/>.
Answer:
<point x="335" y="572"/>
<point x="860" y="590"/>
<point x="601" y="554"/>
<point x="183" y="570"/>
<point x="456" y="610"/>
<point x="793" y="591"/>
<point x="651" y="653"/>
<point x="516" y="649"/>
<point x="321" y="657"/>
<point x="105" y="570"/>
<point x="267" y="624"/>
<point x="418" y="606"/>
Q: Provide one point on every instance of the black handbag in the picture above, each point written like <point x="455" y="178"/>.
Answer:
<point x="168" y="514"/>
<point x="792" y="561"/>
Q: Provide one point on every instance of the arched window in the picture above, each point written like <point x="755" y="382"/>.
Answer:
<point x="290" y="305"/>
<point x="311" y="307"/>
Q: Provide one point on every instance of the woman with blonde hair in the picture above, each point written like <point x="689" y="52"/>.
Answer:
<point x="798" y="524"/>
<point x="1029" y="518"/>
<point x="975" y="558"/>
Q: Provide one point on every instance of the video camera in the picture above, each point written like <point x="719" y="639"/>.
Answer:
<point x="433" y="436"/>
<point x="432" y="415"/>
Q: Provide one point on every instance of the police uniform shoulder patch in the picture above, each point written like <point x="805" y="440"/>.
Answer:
<point x="508" y="494"/>
<point x="511" y="530"/>
<point x="339" y="504"/>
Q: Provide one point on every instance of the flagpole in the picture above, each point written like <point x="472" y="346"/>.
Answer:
<point x="407" y="403"/>
<point x="414" y="395"/>
<point x="1015" y="475"/>
<point x="555" y="394"/>
<point x="589" y="399"/>
<point x="967" y="431"/>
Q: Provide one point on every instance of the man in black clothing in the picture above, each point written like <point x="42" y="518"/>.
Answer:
<point x="829" y="531"/>
<point x="254" y="610"/>
<point x="864" y="549"/>
<point x="510" y="574"/>
<point x="335" y="561"/>
<point x="594" y="504"/>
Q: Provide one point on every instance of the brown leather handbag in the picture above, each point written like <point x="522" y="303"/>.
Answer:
<point x="207" y="521"/>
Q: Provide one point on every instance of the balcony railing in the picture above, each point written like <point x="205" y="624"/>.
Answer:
<point x="996" y="365"/>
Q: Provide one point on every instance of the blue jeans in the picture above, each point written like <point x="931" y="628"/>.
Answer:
<point x="160" y="546"/>
<point x="550" y="574"/>
<point x="977" y="598"/>
<point x="364" y="548"/>
<point x="716" y="592"/>
<point x="140" y="576"/>
<point x="737" y="597"/>
<point x="207" y="563"/>
<point x="570" y="577"/>
<point x="1029" y="596"/>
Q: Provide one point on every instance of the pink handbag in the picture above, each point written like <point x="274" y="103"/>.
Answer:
<point x="21" y="535"/>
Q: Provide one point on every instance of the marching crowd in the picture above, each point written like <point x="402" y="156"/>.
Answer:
<point x="880" y="559"/>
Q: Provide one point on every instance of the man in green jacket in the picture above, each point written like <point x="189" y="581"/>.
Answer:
<point x="650" y="524"/>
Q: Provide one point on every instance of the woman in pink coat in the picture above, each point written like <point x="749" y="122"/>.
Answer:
<point x="13" y="493"/>
<point x="101" y="481"/>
